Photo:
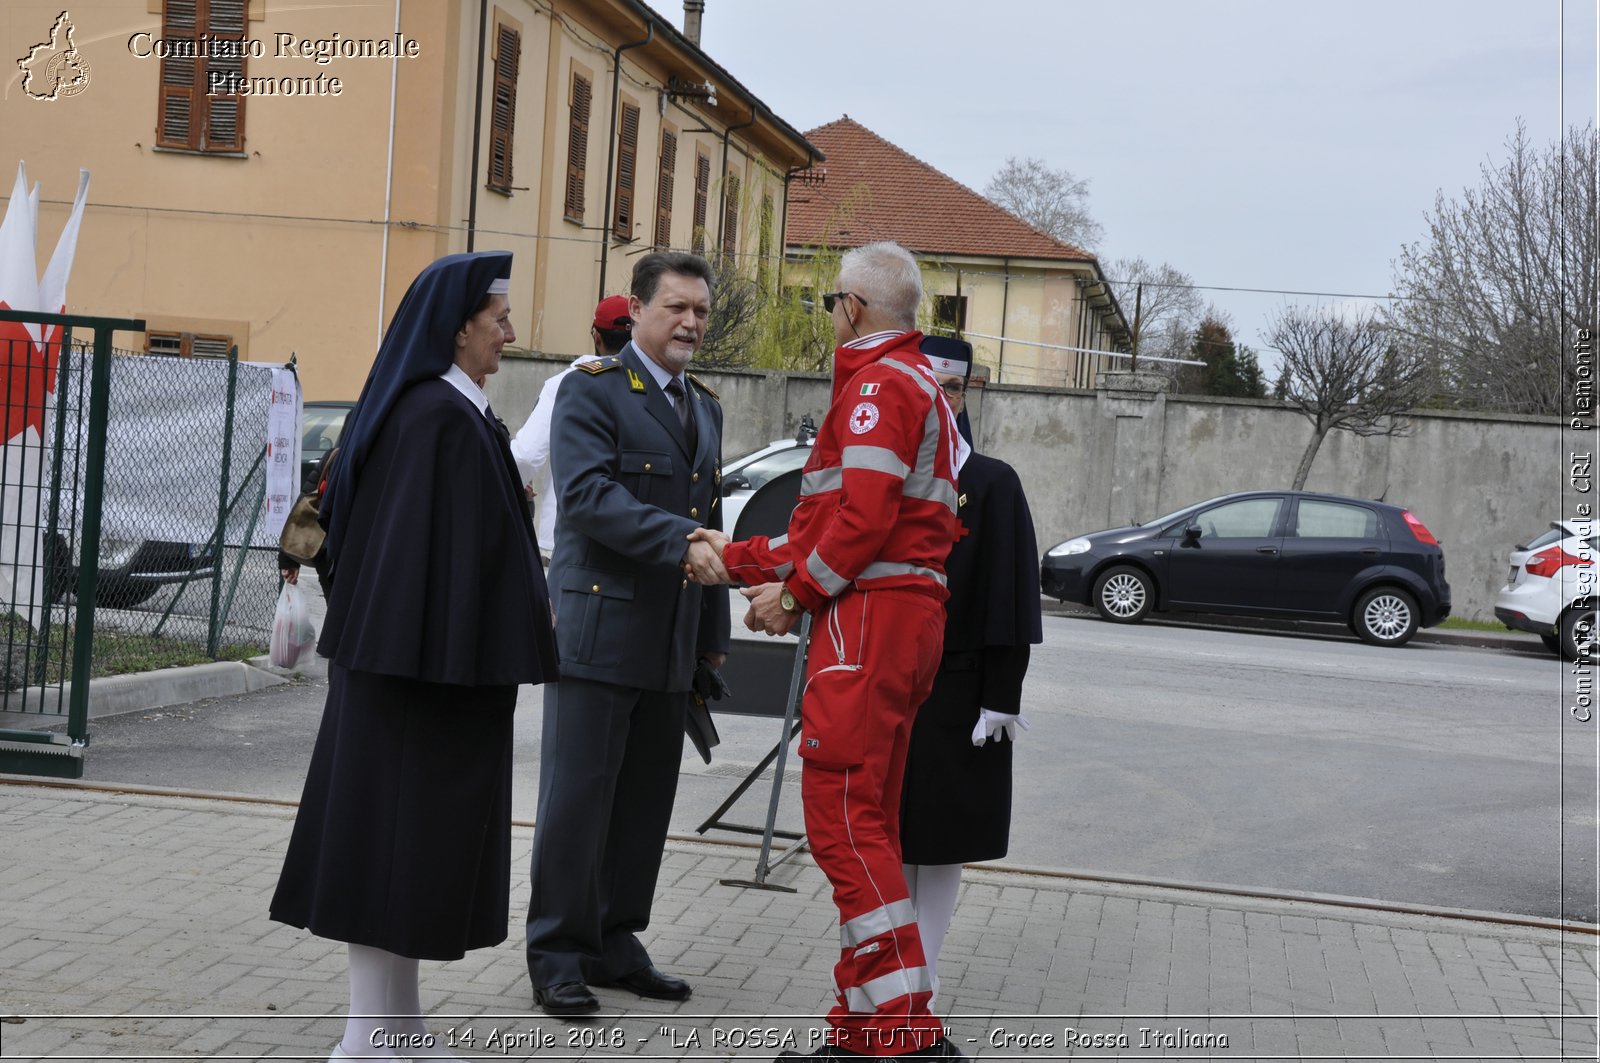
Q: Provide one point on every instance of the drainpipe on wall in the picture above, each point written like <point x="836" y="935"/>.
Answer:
<point x="722" y="216"/>
<point x="783" y="222"/>
<point x="611" y="151"/>
<point x="477" y="124"/>
<point x="388" y="179"/>
<point x="1005" y="301"/>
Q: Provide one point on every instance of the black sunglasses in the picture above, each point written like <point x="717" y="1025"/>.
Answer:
<point x="828" y="299"/>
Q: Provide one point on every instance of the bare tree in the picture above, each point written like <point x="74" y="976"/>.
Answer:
<point x="1344" y="373"/>
<point x="730" y="328"/>
<point x="1506" y="276"/>
<point x="1053" y="201"/>
<point x="1169" y="306"/>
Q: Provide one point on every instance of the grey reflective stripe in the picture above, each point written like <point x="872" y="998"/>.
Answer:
<point x="931" y="488"/>
<point x="880" y="569"/>
<point x="820" y="480"/>
<point x="785" y="570"/>
<point x="868" y="998"/>
<point x="878" y="921"/>
<point x="829" y="580"/>
<point x="782" y="540"/>
<point x="878" y="459"/>
<point x="924" y="483"/>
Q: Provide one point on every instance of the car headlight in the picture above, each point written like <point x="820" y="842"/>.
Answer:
<point x="117" y="553"/>
<point x="1070" y="547"/>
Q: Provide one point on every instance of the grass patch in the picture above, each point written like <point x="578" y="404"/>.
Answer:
<point x="1461" y="623"/>
<point x="111" y="653"/>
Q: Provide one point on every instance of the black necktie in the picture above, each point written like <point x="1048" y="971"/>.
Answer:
<point x="680" y="404"/>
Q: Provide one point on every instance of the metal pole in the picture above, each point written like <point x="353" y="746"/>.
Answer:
<point x="94" y="486"/>
<point x="606" y="222"/>
<point x="215" y="634"/>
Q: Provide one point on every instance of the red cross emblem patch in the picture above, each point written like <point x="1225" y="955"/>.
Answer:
<point x="863" y="418"/>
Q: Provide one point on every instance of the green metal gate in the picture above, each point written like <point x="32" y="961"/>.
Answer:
<point x="51" y="491"/>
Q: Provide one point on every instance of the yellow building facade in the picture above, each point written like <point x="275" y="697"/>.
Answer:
<point x="273" y="174"/>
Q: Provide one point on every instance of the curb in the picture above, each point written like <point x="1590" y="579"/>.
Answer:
<point x="1507" y="640"/>
<point x="118" y="694"/>
<point x="1204" y="893"/>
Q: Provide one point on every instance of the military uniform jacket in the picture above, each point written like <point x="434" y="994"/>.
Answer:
<point x="630" y="493"/>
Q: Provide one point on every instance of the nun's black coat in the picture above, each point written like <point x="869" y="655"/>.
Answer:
<point x="956" y="802"/>
<point x="438" y="610"/>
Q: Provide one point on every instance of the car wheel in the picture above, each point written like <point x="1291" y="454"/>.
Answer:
<point x="1385" y="616"/>
<point x="1124" y="595"/>
<point x="1578" y="635"/>
<point x="1551" y="643"/>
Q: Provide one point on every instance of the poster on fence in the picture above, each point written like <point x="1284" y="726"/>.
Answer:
<point x="283" y="451"/>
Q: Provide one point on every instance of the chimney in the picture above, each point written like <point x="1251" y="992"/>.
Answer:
<point x="693" y="10"/>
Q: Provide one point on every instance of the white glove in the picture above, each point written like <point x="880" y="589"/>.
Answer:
<point x="991" y="724"/>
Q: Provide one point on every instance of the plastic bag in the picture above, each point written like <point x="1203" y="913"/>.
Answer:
<point x="292" y="630"/>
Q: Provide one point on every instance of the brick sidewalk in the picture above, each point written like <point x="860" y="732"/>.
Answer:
<point x="136" y="927"/>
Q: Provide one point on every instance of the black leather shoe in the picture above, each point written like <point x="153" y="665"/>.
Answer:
<point x="653" y="985"/>
<point x="566" y="998"/>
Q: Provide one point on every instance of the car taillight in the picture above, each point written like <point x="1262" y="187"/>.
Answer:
<point x="1419" y="529"/>
<point x="1549" y="562"/>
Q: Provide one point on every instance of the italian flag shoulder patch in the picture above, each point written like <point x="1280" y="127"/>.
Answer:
<point x="869" y="389"/>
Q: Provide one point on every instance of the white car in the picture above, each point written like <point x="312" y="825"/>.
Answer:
<point x="1551" y="588"/>
<point x="743" y="476"/>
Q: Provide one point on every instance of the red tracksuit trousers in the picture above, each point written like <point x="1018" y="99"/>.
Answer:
<point x="872" y="661"/>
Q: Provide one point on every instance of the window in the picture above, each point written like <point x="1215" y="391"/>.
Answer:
<point x="669" y="162"/>
<point x="1335" y="520"/>
<point x="508" y="48"/>
<point x="627" y="162"/>
<point x="208" y="39"/>
<point x="1249" y="518"/>
<point x="188" y="345"/>
<point x="702" y="198"/>
<point x="577" y="146"/>
<point x="764" y="243"/>
<point x="950" y="312"/>
<point x="730" y="217"/>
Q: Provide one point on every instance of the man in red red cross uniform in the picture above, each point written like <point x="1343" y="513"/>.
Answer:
<point x="864" y="555"/>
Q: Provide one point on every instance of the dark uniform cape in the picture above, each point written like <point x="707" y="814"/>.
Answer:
<point x="956" y="803"/>
<point x="438" y="610"/>
<point x="442" y="581"/>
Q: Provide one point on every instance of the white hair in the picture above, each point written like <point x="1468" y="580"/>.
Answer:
<point x="887" y="278"/>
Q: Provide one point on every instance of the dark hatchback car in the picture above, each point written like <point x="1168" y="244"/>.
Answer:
<point x="1287" y="554"/>
<point x="321" y="423"/>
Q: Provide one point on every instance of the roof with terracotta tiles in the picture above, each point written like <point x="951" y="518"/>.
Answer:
<point x="876" y="191"/>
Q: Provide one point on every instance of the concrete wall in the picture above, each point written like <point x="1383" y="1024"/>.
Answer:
<point x="1098" y="459"/>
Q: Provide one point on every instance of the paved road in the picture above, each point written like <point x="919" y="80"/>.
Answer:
<point x="1431" y="774"/>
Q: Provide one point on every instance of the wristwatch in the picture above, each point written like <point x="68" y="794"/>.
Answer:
<point x="788" y="601"/>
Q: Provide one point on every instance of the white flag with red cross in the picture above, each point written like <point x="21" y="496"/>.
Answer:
<point x="29" y="356"/>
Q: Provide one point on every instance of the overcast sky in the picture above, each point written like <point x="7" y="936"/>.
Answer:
<point x="1252" y="144"/>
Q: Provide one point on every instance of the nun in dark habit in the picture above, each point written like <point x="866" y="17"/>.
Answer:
<point x="438" y="611"/>
<point x="955" y="807"/>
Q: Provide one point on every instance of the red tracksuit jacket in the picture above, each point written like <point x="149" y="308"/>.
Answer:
<point x="878" y="496"/>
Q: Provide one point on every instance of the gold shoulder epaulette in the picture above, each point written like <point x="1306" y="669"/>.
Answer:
<point x="703" y="386"/>
<point x="609" y="362"/>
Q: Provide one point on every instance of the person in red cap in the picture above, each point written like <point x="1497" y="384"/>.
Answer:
<point x="864" y="555"/>
<point x="611" y="331"/>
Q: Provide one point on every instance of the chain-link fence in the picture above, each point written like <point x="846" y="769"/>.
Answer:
<point x="186" y="572"/>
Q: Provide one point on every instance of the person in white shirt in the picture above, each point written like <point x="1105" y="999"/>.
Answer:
<point x="611" y="331"/>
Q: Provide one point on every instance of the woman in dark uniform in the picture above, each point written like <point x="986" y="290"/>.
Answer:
<point x="437" y="611"/>
<point x="955" y="807"/>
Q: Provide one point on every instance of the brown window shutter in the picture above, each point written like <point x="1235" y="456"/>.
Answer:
<point x="175" y="125"/>
<point x="669" y="162"/>
<point x="224" y="23"/>
<point x="730" y="217"/>
<point x="627" y="159"/>
<point x="702" y="197"/>
<point x="577" y="147"/>
<point x="502" y="121"/>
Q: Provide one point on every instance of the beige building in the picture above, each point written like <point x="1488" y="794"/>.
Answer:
<point x="1033" y="308"/>
<point x="273" y="174"/>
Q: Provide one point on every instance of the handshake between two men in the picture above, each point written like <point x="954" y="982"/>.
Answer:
<point x="703" y="564"/>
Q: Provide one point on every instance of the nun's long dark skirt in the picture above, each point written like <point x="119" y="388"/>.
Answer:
<point x="403" y="839"/>
<point x="955" y="807"/>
